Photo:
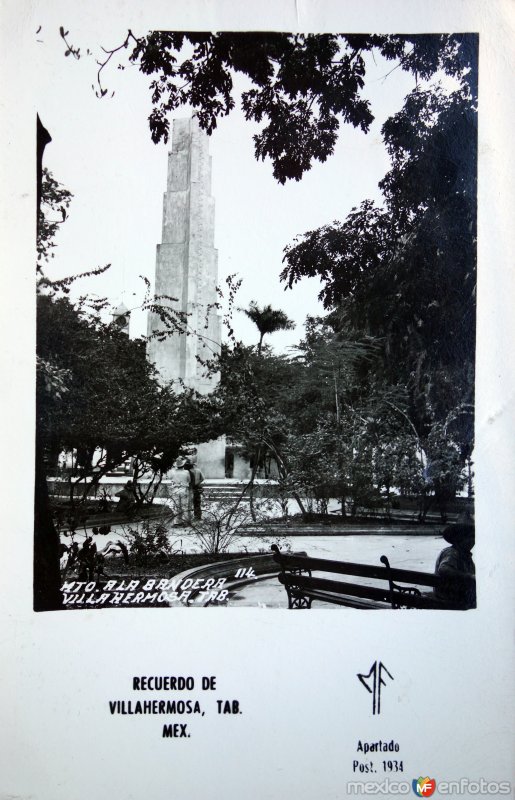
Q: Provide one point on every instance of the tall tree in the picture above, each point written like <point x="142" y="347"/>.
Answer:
<point x="405" y="272"/>
<point x="46" y="575"/>
<point x="267" y="320"/>
<point x="112" y="407"/>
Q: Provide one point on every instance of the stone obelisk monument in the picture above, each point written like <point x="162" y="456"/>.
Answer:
<point x="187" y="269"/>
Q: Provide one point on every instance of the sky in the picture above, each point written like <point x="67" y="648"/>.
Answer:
<point x="102" y="152"/>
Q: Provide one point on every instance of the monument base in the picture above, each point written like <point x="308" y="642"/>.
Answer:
<point x="210" y="458"/>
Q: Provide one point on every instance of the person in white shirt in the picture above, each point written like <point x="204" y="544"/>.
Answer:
<point x="180" y="494"/>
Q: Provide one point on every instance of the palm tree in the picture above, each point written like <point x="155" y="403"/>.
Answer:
<point x="267" y="320"/>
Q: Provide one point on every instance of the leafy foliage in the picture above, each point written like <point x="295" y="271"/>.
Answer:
<point x="405" y="273"/>
<point x="52" y="213"/>
<point x="110" y="406"/>
<point x="148" y="542"/>
<point x="302" y="86"/>
<point x="221" y="526"/>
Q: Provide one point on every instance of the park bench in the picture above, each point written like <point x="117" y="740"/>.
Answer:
<point x="386" y="587"/>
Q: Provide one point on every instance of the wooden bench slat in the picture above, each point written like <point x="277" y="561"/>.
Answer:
<point x="320" y="588"/>
<point x="408" y="601"/>
<point x="363" y="570"/>
<point x="338" y="587"/>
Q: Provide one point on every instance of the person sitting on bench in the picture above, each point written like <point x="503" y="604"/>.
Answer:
<point x="456" y="567"/>
<point x="127" y="501"/>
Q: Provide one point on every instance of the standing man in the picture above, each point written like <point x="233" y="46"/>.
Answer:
<point x="180" y="499"/>
<point x="196" y="481"/>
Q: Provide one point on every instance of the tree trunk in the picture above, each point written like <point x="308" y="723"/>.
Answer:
<point x="283" y="472"/>
<point x="47" y="577"/>
<point x="342" y="501"/>
<point x="42" y="138"/>
<point x="470" y="484"/>
<point x="251" y="483"/>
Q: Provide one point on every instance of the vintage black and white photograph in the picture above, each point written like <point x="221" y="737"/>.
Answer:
<point x="256" y="315"/>
<point x="259" y="382"/>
